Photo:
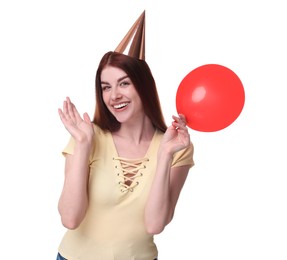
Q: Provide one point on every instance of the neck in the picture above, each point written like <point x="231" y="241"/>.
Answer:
<point x="136" y="132"/>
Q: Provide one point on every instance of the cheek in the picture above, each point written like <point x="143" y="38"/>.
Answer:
<point x="106" y="98"/>
<point x="138" y="99"/>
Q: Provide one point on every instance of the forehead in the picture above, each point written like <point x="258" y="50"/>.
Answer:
<point x="110" y="73"/>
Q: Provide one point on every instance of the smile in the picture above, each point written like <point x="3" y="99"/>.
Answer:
<point x="121" y="105"/>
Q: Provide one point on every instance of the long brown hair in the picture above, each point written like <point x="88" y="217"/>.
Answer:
<point x="140" y="74"/>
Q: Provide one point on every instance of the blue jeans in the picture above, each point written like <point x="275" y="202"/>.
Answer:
<point x="59" y="257"/>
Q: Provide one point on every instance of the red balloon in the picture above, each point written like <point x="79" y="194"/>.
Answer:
<point x="211" y="97"/>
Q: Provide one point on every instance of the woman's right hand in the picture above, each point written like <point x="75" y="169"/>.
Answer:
<point x="80" y="128"/>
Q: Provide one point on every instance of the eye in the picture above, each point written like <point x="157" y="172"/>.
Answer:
<point x="125" y="83"/>
<point x="106" y="88"/>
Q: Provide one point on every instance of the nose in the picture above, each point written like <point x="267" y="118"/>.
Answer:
<point x="115" y="93"/>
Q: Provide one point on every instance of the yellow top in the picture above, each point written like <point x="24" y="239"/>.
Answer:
<point x="113" y="228"/>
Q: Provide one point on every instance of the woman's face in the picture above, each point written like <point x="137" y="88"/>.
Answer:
<point x="120" y="95"/>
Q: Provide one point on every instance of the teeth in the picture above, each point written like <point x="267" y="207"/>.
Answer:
<point x="121" y="105"/>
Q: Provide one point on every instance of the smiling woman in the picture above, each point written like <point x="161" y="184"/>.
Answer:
<point x="127" y="73"/>
<point x="124" y="170"/>
<point x="118" y="94"/>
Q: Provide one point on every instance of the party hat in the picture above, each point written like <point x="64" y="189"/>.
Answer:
<point x="137" y="35"/>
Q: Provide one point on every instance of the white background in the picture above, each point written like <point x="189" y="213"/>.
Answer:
<point x="233" y="205"/>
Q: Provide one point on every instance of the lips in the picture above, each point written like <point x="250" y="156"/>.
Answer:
<point x="120" y="105"/>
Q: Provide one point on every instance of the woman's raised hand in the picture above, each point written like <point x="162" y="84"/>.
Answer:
<point x="80" y="128"/>
<point x="176" y="136"/>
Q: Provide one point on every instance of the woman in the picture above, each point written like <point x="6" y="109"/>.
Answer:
<point x="125" y="170"/>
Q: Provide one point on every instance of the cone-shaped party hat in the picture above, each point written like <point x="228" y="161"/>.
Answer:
<point x="137" y="35"/>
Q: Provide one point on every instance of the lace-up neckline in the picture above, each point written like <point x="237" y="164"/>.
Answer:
<point x="130" y="172"/>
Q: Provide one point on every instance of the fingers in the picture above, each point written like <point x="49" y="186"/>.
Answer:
<point x="177" y="135"/>
<point x="179" y="122"/>
<point x="64" y="115"/>
<point x="182" y="117"/>
<point x="87" y="118"/>
<point x="69" y="111"/>
<point x="70" y="115"/>
<point x="61" y="114"/>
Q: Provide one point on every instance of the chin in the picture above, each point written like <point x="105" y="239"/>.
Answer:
<point x="121" y="119"/>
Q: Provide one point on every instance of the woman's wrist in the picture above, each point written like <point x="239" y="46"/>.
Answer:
<point x="83" y="147"/>
<point x="164" y="155"/>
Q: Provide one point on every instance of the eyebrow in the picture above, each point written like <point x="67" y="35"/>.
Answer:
<point x="120" y="79"/>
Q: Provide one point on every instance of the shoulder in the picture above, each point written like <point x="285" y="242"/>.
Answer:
<point x="97" y="129"/>
<point x="101" y="137"/>
<point x="100" y="133"/>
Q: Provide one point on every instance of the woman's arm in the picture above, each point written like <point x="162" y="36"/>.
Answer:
<point x="73" y="201"/>
<point x="168" y="182"/>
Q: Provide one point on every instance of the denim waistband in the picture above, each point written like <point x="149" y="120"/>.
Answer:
<point x="59" y="257"/>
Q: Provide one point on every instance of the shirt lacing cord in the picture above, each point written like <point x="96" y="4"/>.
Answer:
<point x="130" y="171"/>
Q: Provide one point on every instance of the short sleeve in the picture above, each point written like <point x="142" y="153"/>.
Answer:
<point x="69" y="148"/>
<point x="184" y="157"/>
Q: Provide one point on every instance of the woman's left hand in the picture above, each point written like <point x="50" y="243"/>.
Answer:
<point x="176" y="136"/>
